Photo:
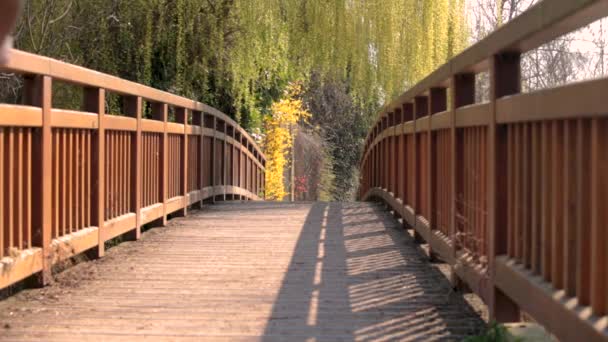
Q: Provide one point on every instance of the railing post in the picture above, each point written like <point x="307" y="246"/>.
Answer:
<point x="198" y="120"/>
<point x="505" y="79"/>
<point x="394" y="151"/>
<point x="463" y="94"/>
<point x="213" y="159"/>
<point x="38" y="92"/>
<point x="160" y="113"/>
<point x="234" y="163"/>
<point x="94" y="101"/>
<point x="420" y="111"/>
<point x="133" y="108"/>
<point x="437" y="104"/>
<point x="247" y="168"/>
<point x="385" y="168"/>
<point x="181" y="116"/>
<point x="224" y="161"/>
<point x="407" y="115"/>
<point x="398" y="155"/>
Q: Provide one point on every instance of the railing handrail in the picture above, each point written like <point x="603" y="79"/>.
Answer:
<point x="540" y="24"/>
<point x="27" y="63"/>
<point x="71" y="180"/>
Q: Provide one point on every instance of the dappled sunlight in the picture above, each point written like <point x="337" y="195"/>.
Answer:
<point x="364" y="281"/>
<point x="361" y="244"/>
<point x="425" y="323"/>
<point x="353" y="231"/>
<point x="374" y="262"/>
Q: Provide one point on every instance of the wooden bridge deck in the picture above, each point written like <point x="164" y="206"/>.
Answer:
<point x="251" y="271"/>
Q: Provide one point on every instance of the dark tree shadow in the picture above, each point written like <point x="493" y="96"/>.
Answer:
<point x="357" y="275"/>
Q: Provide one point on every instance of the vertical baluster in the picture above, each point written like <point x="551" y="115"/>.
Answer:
<point x="19" y="223"/>
<point x="526" y="236"/>
<point x="95" y="102"/>
<point x="11" y="189"/>
<point x="546" y="202"/>
<point x="583" y="198"/>
<point x="536" y="198"/>
<point x="569" y="184"/>
<point x="599" y="235"/>
<point x="557" y="209"/>
<point x="3" y="214"/>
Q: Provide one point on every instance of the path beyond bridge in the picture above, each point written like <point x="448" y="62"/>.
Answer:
<point x="252" y="271"/>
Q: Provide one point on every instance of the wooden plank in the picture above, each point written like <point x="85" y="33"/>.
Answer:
<point x="556" y="103"/>
<point x="19" y="190"/>
<point x="17" y="268"/>
<point x="557" y="256"/>
<point x="118" y="226"/>
<point x="3" y="193"/>
<point x="473" y="115"/>
<point x="583" y="197"/>
<point x="571" y="210"/>
<point x="505" y="80"/>
<point x="73" y="119"/>
<point x="538" y="25"/>
<point x="558" y="313"/>
<point x="175" y="128"/>
<point x="134" y="107"/>
<point x="45" y="206"/>
<point x="516" y="169"/>
<point x="10" y="208"/>
<point x="122" y="123"/>
<point x="182" y="117"/>
<point x="468" y="269"/>
<point x="526" y="202"/>
<point x="440" y="120"/>
<point x="174" y="204"/>
<point x="153" y="126"/>
<point x="71" y="245"/>
<point x="193" y="130"/>
<point x="152" y="212"/>
<point x="545" y="202"/>
<point x="599" y="232"/>
<point x="536" y="199"/>
<point x="64" y="182"/>
<point x="94" y="101"/>
<point x="23" y="116"/>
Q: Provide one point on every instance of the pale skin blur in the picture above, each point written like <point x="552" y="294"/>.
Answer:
<point x="9" y="10"/>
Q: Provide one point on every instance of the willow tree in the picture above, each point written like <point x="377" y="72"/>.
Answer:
<point x="379" y="46"/>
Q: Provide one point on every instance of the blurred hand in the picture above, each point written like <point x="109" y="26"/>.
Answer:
<point x="9" y="10"/>
<point x="5" y="50"/>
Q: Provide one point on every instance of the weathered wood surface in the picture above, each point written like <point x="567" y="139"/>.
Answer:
<point x="251" y="271"/>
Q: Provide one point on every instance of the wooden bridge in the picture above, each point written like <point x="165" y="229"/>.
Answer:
<point x="252" y="271"/>
<point x="510" y="194"/>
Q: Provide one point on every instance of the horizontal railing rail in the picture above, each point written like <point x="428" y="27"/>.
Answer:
<point x="511" y="193"/>
<point x="70" y="180"/>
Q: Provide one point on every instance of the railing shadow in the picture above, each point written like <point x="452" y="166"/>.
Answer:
<point x="356" y="275"/>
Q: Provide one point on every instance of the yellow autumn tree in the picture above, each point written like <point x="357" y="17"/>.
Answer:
<point x="285" y="114"/>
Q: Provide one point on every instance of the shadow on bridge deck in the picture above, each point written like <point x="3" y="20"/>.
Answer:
<point x="356" y="275"/>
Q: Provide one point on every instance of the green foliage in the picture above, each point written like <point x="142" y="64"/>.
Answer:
<point x="343" y="126"/>
<point x="494" y="333"/>
<point x="239" y="55"/>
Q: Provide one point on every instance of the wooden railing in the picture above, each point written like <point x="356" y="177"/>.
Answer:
<point x="72" y="180"/>
<point x="512" y="193"/>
